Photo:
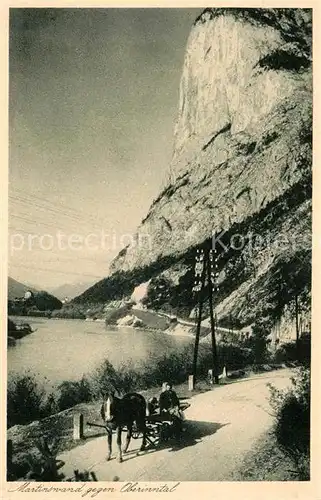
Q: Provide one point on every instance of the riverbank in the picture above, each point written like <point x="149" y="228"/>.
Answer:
<point x="17" y="331"/>
<point x="129" y="314"/>
<point x="58" y="350"/>
<point x="134" y="317"/>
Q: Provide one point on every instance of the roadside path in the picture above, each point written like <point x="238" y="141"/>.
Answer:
<point x="222" y="428"/>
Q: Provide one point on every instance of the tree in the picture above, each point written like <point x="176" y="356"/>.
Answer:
<point x="259" y="341"/>
<point x="46" y="302"/>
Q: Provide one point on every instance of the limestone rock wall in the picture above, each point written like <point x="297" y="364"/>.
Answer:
<point x="241" y="165"/>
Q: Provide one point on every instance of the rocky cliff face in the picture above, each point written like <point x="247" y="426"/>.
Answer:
<point x="241" y="168"/>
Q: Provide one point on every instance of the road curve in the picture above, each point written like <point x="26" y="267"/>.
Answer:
<point x="223" y="425"/>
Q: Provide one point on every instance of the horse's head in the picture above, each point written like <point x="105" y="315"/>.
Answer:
<point x="111" y="406"/>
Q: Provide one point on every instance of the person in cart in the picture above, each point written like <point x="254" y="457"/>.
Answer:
<point x="169" y="407"/>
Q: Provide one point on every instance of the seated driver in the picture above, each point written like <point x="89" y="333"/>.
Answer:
<point x="169" y="406"/>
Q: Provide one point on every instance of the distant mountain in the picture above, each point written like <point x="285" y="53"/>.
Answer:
<point x="70" y="290"/>
<point x="17" y="289"/>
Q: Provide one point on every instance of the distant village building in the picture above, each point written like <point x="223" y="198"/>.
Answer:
<point x="28" y="295"/>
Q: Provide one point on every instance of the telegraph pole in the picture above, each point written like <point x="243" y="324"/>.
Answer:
<point x="297" y="325"/>
<point x="206" y="267"/>
<point x="200" y="310"/>
<point x="211" y="277"/>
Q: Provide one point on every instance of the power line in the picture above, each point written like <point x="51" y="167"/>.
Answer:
<point x="55" y="271"/>
<point x="68" y="259"/>
<point x="31" y="221"/>
<point x="53" y="209"/>
<point x="61" y="212"/>
<point x="55" y="226"/>
<point x="51" y="225"/>
<point x="59" y="205"/>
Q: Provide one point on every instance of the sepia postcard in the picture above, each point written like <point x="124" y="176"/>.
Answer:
<point x="159" y="303"/>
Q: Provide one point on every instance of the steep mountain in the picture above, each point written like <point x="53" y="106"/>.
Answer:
<point x="70" y="290"/>
<point x="241" y="168"/>
<point x="17" y="289"/>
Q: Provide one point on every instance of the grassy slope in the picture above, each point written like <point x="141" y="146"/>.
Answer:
<point x="266" y="462"/>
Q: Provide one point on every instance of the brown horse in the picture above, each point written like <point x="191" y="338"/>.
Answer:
<point x="119" y="413"/>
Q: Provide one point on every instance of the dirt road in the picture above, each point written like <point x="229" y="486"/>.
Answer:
<point x="222" y="427"/>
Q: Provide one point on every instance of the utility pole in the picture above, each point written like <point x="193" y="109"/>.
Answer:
<point x="199" y="319"/>
<point x="297" y="325"/>
<point x="211" y="277"/>
<point x="205" y="268"/>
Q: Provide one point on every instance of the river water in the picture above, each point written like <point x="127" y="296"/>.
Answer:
<point x="62" y="349"/>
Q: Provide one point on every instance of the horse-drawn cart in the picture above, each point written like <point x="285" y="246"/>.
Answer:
<point x="159" y="427"/>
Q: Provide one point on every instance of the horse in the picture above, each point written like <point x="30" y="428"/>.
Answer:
<point x="118" y="413"/>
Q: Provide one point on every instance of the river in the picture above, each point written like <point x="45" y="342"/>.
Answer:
<point x="62" y="349"/>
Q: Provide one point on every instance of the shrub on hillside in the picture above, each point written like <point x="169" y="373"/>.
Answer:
<point x="292" y="421"/>
<point x="105" y="379"/>
<point x="44" y="466"/>
<point x="173" y="367"/>
<point x="33" y="311"/>
<point x="26" y="400"/>
<point x="73" y="311"/>
<point x="289" y="352"/>
<point x="177" y="366"/>
<point x="258" y="342"/>
<point x="130" y="378"/>
<point x="72" y="393"/>
<point x="126" y="378"/>
<point x="157" y="293"/>
<point x="235" y="357"/>
<point x="112" y="315"/>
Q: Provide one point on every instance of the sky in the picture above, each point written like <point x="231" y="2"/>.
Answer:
<point x="92" y="108"/>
